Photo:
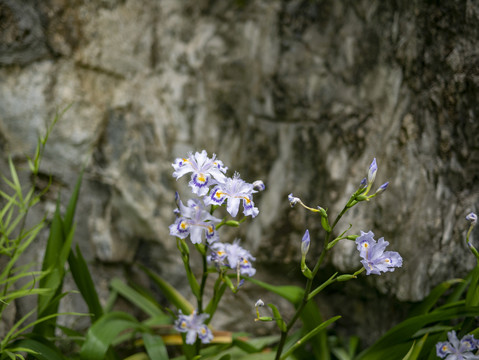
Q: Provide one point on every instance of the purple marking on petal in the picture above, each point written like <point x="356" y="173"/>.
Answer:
<point x="183" y="226"/>
<point x="217" y="196"/>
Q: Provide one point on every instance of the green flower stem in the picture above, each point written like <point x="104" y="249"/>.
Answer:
<point x="204" y="277"/>
<point x="218" y="291"/>
<point x="473" y="249"/>
<point x="321" y="287"/>
<point x="308" y="294"/>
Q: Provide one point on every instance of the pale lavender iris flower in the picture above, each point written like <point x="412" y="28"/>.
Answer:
<point x="375" y="259"/>
<point x="456" y="349"/>
<point x="232" y="256"/>
<point x="203" y="171"/>
<point x="193" y="325"/>
<point x="234" y="190"/>
<point x="194" y="220"/>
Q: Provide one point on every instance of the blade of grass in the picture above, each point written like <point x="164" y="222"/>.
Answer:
<point x="83" y="280"/>
<point x="169" y="291"/>
<point x="135" y="298"/>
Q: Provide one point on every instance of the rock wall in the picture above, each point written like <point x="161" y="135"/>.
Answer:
<point x="301" y="94"/>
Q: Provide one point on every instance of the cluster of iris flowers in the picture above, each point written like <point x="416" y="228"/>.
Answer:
<point x="209" y="182"/>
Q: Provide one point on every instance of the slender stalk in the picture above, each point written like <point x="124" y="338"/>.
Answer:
<point x="204" y="277"/>
<point x="308" y="294"/>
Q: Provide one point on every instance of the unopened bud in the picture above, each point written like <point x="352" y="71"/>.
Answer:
<point x="322" y="212"/>
<point x="259" y="303"/>
<point x="259" y="185"/>
<point x="373" y="168"/>
<point x="305" y="242"/>
<point x="293" y="200"/>
<point x="363" y="183"/>
<point x="346" y="277"/>
<point x="382" y="188"/>
<point x="472" y="218"/>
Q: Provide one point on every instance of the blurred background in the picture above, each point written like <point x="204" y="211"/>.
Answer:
<point x="301" y="94"/>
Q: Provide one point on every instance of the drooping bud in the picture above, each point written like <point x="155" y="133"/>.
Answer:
<point x="259" y="185"/>
<point x="472" y="218"/>
<point x="293" y="200"/>
<point x="259" y="303"/>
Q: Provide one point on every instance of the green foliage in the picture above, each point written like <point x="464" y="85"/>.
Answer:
<point x="27" y="335"/>
<point x="105" y="331"/>
<point x="173" y="295"/>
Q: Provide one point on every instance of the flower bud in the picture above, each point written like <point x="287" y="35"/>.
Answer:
<point x="373" y="168"/>
<point x="363" y="183"/>
<point x="305" y="243"/>
<point x="293" y="200"/>
<point x="472" y="218"/>
<point x="346" y="277"/>
<point x="258" y="185"/>
<point x="382" y="188"/>
<point x="322" y="212"/>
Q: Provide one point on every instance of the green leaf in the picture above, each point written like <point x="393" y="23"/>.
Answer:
<point x="219" y="290"/>
<point x="308" y="336"/>
<point x="472" y="297"/>
<point x="155" y="347"/>
<point x="70" y="210"/>
<point x="413" y="353"/>
<point x="42" y="350"/>
<point x="245" y="345"/>
<point x="21" y="293"/>
<point x="140" y="356"/>
<point x="428" y="303"/>
<point x="35" y="323"/>
<point x="170" y="292"/>
<point x="53" y="280"/>
<point x="104" y="331"/>
<point x="136" y="298"/>
<point x="84" y="282"/>
<point x="230" y="284"/>
<point x="311" y="317"/>
<point x="294" y="294"/>
<point x="56" y="254"/>
<point x="278" y="318"/>
<point x="16" y="182"/>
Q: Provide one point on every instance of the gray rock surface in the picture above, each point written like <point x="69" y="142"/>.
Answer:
<point x="301" y="94"/>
